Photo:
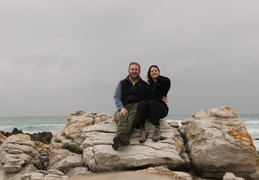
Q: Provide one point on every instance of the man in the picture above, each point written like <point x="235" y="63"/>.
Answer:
<point x="129" y="92"/>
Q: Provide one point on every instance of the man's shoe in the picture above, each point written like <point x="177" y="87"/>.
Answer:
<point x="116" y="143"/>
<point x="126" y="143"/>
<point x="156" y="136"/>
<point x="120" y="140"/>
<point x="143" y="136"/>
<point x="123" y="136"/>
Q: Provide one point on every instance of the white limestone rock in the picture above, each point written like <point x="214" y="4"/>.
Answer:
<point x="100" y="156"/>
<point x="91" y="135"/>
<point x="52" y="174"/>
<point x="78" y="171"/>
<point x="220" y="143"/>
<point x="63" y="160"/>
<point x="231" y="176"/>
<point x="16" y="151"/>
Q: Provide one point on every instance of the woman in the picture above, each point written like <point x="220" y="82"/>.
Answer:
<point x="155" y="106"/>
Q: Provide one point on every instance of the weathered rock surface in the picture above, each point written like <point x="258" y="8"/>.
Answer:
<point x="28" y="168"/>
<point x="52" y="174"/>
<point x="87" y="139"/>
<point x="20" y="155"/>
<point x="2" y="139"/>
<point x="100" y="156"/>
<point x="66" y="152"/>
<point x="163" y="171"/>
<point x="231" y="176"/>
<point x="218" y="142"/>
<point x="210" y="144"/>
<point x="44" y="137"/>
<point x="16" y="151"/>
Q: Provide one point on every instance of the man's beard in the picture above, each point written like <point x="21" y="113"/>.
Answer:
<point x="134" y="77"/>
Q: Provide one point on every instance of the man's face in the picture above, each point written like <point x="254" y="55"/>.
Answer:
<point x="134" y="71"/>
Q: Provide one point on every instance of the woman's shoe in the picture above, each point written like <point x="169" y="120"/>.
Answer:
<point x="156" y="136"/>
<point x="143" y="136"/>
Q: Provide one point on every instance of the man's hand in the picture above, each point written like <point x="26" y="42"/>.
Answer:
<point x="124" y="112"/>
<point x="164" y="98"/>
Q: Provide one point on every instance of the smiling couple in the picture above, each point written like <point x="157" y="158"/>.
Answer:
<point x="137" y="101"/>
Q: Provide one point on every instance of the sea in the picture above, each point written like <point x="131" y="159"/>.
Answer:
<point x="55" y="124"/>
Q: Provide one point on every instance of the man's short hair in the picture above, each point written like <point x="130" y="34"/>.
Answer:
<point x="134" y="63"/>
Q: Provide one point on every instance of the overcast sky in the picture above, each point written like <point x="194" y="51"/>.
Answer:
<point x="58" y="56"/>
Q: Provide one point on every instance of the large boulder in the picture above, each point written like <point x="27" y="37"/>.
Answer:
<point x="2" y="138"/>
<point x="28" y="168"/>
<point x="100" y="156"/>
<point x="88" y="136"/>
<point x="63" y="160"/>
<point x="218" y="142"/>
<point x="44" y="137"/>
<point x="65" y="146"/>
<point x="52" y="174"/>
<point x="20" y="155"/>
<point x="18" y="150"/>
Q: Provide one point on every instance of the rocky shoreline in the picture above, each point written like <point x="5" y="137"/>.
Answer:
<point x="44" y="137"/>
<point x="213" y="144"/>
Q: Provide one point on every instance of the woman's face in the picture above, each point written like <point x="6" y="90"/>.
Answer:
<point x="154" y="73"/>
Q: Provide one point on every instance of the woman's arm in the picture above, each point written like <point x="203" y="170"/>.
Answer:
<point x="164" y="84"/>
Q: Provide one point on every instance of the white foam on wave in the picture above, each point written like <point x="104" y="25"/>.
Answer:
<point x="255" y="122"/>
<point x="256" y="143"/>
<point x="178" y="121"/>
<point x="253" y="131"/>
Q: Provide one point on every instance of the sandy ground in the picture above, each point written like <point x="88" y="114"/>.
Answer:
<point x="124" y="176"/>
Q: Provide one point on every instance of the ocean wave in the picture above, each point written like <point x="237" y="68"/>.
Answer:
<point x="253" y="131"/>
<point x="252" y="122"/>
<point x="256" y="143"/>
<point x="42" y="125"/>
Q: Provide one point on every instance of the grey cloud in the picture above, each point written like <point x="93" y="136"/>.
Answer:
<point x="58" y="56"/>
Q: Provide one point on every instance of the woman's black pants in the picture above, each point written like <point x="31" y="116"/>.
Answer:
<point x="152" y="110"/>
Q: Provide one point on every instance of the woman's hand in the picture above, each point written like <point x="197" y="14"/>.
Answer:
<point x="164" y="98"/>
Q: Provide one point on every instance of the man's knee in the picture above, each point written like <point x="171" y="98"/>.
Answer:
<point x="152" y="104"/>
<point x="142" y="105"/>
<point x="116" y="116"/>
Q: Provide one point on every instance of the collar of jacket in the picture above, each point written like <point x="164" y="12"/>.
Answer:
<point x="139" y="78"/>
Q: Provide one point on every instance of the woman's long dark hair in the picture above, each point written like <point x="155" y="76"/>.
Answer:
<point x="149" y="78"/>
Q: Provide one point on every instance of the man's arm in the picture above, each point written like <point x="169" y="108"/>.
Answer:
<point x="117" y="97"/>
<point x="118" y="102"/>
